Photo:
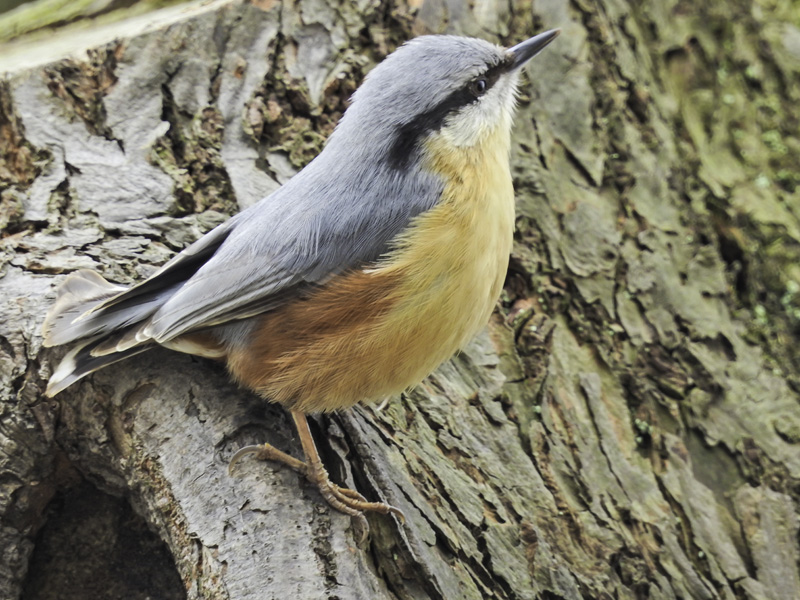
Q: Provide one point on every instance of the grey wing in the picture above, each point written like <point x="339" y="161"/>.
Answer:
<point x="302" y="235"/>
<point x="229" y="287"/>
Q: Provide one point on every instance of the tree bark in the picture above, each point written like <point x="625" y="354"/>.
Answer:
<point x="627" y="427"/>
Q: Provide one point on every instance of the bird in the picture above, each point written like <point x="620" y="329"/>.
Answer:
<point x="359" y="276"/>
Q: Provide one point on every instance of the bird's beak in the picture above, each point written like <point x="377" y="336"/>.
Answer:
<point x="525" y="51"/>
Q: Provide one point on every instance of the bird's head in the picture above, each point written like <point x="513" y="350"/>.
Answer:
<point x="456" y="89"/>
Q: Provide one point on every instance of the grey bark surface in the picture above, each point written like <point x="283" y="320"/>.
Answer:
<point x="628" y="425"/>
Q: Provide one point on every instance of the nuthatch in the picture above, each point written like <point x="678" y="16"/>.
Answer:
<point x="357" y="278"/>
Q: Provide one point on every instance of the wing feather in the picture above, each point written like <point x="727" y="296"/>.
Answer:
<point x="294" y="240"/>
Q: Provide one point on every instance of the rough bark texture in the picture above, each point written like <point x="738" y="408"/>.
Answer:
<point x="628" y="426"/>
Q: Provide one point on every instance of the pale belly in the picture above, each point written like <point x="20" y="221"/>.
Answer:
<point x="447" y="276"/>
<point x="445" y="300"/>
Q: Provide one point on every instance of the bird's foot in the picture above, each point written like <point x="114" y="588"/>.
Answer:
<point x="348" y="501"/>
<point x="345" y="500"/>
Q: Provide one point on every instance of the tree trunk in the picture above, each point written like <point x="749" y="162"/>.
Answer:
<point x="626" y="428"/>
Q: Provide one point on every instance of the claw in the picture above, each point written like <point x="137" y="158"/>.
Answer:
<point x="383" y="404"/>
<point x="240" y="453"/>
<point x="397" y="513"/>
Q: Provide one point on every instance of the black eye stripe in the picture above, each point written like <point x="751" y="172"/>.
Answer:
<point x="409" y="134"/>
<point x="493" y="73"/>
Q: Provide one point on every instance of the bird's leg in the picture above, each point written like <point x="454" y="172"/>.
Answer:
<point x="344" y="500"/>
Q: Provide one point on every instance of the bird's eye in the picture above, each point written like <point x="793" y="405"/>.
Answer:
<point x="479" y="86"/>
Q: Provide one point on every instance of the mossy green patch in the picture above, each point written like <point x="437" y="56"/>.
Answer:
<point x="190" y="152"/>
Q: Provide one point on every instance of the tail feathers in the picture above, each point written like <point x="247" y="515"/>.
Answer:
<point x="120" y="342"/>
<point x="80" y="292"/>
<point x="77" y="314"/>
<point x="81" y="361"/>
<point x="69" y="321"/>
